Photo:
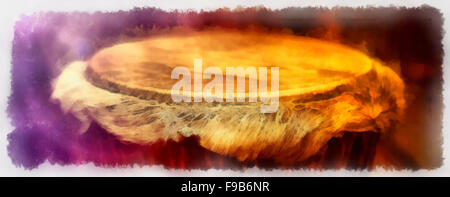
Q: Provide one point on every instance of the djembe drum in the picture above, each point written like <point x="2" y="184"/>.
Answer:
<point x="325" y="90"/>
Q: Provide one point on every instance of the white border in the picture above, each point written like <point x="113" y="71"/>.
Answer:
<point x="11" y="11"/>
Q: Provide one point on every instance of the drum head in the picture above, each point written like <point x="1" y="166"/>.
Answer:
<point x="305" y="64"/>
